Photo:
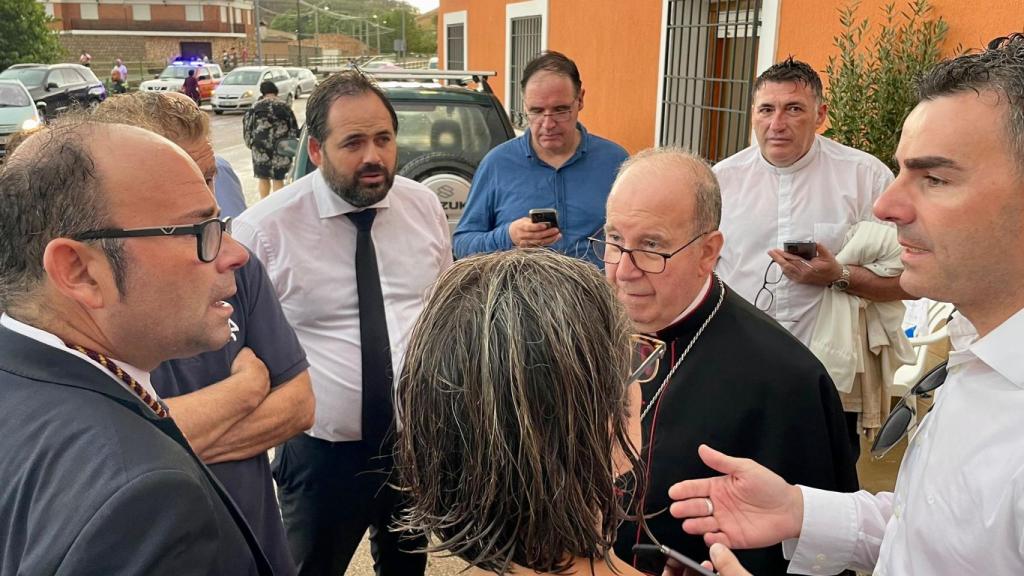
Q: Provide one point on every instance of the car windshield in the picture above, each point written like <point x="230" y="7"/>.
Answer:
<point x="12" y="95"/>
<point x="175" y="73"/>
<point x="242" y="78"/>
<point x="462" y="129"/>
<point x="28" y="76"/>
<point x="293" y="73"/>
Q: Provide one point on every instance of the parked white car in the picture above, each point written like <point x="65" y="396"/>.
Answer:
<point x="306" y="80"/>
<point x="240" y="88"/>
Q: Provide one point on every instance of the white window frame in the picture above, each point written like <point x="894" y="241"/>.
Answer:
<point x="89" y="11"/>
<point x="521" y="10"/>
<point x="238" y="16"/>
<point x="48" y="8"/>
<point x="141" y="13"/>
<point x="455" y="18"/>
<point x="767" y="44"/>
<point x="193" y="12"/>
<point x="223" y="13"/>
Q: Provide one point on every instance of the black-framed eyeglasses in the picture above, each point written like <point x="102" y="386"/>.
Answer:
<point x="897" y="424"/>
<point x="766" y="296"/>
<point x="649" y="261"/>
<point x="557" y="115"/>
<point x="209" y="235"/>
<point x="644" y="358"/>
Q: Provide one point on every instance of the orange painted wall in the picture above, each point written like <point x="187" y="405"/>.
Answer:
<point x="614" y="43"/>
<point x="619" y="64"/>
<point x="807" y="27"/>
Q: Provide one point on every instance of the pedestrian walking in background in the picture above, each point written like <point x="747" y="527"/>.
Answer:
<point x="265" y="124"/>
<point x="191" y="87"/>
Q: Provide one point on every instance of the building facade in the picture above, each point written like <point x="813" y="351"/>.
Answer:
<point x="152" y="31"/>
<point x="679" y="72"/>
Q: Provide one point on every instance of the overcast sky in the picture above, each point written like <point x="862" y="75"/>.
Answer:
<point x="424" y="5"/>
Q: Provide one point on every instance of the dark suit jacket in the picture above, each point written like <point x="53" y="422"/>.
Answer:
<point x="92" y="482"/>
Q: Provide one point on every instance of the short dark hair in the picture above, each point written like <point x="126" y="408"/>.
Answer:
<point x="791" y="70"/>
<point x="513" y="404"/>
<point x="49" y="189"/>
<point x="999" y="70"/>
<point x="551" y="61"/>
<point x="268" y="87"/>
<point x="346" y="83"/>
<point x="192" y="72"/>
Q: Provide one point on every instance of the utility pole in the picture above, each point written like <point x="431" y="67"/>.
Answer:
<point x="298" y="28"/>
<point x="404" y="47"/>
<point x="259" y="34"/>
<point x="316" y="27"/>
<point x="377" y="25"/>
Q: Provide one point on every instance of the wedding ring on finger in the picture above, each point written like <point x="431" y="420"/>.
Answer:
<point x="711" y="506"/>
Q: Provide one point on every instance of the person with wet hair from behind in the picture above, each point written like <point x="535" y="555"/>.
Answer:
<point x="516" y="407"/>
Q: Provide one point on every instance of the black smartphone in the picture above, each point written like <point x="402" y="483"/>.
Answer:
<point x="805" y="250"/>
<point x="548" y="215"/>
<point x="649" y="549"/>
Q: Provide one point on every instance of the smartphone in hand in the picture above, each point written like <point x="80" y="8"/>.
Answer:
<point x="805" y="250"/>
<point x="546" y="215"/>
<point x="656" y="549"/>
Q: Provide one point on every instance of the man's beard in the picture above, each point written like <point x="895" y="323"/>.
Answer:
<point x="350" y="190"/>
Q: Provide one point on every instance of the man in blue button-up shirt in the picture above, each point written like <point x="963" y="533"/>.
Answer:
<point x="555" y="164"/>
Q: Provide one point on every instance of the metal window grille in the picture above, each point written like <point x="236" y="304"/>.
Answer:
<point x="525" y="45"/>
<point x="710" y="61"/>
<point x="454" y="50"/>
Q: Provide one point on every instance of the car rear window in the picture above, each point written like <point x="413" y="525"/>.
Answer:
<point x="462" y="129"/>
<point x="242" y="78"/>
<point x="28" y="76"/>
<point x="13" y="95"/>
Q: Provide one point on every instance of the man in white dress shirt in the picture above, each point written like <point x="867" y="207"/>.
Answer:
<point x="958" y="507"/>
<point x="309" y="235"/>
<point x="796" y="186"/>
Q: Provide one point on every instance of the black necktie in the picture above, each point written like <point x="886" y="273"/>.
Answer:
<point x="375" y="347"/>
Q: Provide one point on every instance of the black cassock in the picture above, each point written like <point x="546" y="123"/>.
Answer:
<point x="747" y="388"/>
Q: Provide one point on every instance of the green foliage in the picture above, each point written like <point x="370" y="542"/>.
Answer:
<point x="388" y="14"/>
<point x="24" y="36"/>
<point x="872" y="82"/>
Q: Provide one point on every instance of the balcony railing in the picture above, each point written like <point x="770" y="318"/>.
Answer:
<point x="182" y="26"/>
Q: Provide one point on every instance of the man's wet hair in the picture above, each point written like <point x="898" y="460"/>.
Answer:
<point x="792" y="70"/>
<point x="998" y="70"/>
<point x="551" y="61"/>
<point x="50" y="188"/>
<point x="346" y="83"/>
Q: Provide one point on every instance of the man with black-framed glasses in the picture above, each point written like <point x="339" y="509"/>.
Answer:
<point x="729" y="371"/>
<point x="112" y="260"/>
<point x="235" y="403"/>
<point x="556" y="164"/>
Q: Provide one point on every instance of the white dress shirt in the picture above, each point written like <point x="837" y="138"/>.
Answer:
<point x="141" y="376"/>
<point x="308" y="245"/>
<point x="958" y="507"/>
<point x="818" y="198"/>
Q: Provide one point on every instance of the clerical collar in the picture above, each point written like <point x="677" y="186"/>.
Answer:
<point x="701" y="296"/>
<point x="797" y="166"/>
<point x="39" y="335"/>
